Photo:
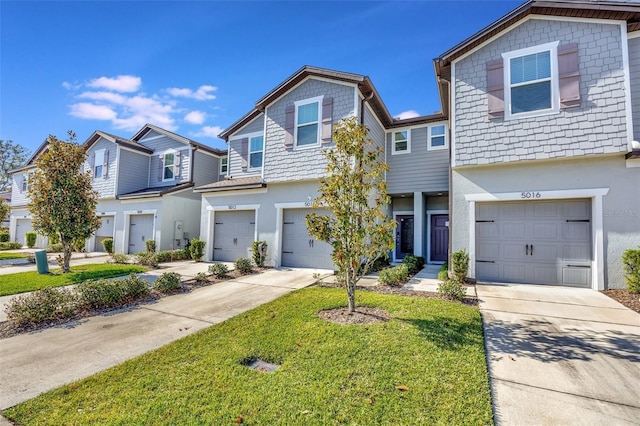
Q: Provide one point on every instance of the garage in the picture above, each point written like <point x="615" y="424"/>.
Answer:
<point x="299" y="249"/>
<point x="534" y="242"/>
<point x="22" y="227"/>
<point x="233" y="234"/>
<point x="140" y="230"/>
<point x="105" y="231"/>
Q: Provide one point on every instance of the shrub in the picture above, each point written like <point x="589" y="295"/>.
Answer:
<point x="146" y="258"/>
<point x="100" y="294"/>
<point x="259" y="252"/>
<point x="460" y="265"/>
<point x="31" y="238"/>
<point x="151" y="245"/>
<point x="394" y="276"/>
<point x="197" y="249"/>
<point x="631" y="262"/>
<point x="201" y="277"/>
<point x="380" y="263"/>
<point x="414" y="263"/>
<point x="107" y="244"/>
<point x="218" y="270"/>
<point x="443" y="274"/>
<point x="54" y="239"/>
<point x="78" y="245"/>
<point x="171" y="255"/>
<point x="243" y="265"/>
<point x="120" y="258"/>
<point x="134" y="287"/>
<point x="4" y="236"/>
<point x="54" y="248"/>
<point x="167" y="282"/>
<point x="10" y="246"/>
<point x="451" y="289"/>
<point x="47" y="304"/>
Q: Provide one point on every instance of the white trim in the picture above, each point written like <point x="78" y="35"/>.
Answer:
<point x="298" y="104"/>
<point x="393" y="141"/>
<point x="125" y="148"/>
<point x="280" y="207"/>
<point x="597" y="213"/>
<point x="232" y="207"/>
<point x="211" y="223"/>
<point x="357" y="101"/>
<point x="552" y="48"/>
<point x="127" y="225"/>
<point x="633" y="35"/>
<point x="264" y="149"/>
<point x="220" y="172"/>
<point x="234" y="192"/>
<point x="399" y="213"/>
<point x="173" y="165"/>
<point x="263" y="115"/>
<point x="430" y="137"/>
<point x="229" y="158"/>
<point x="249" y="152"/>
<point x="429" y="214"/>
<point x="245" y="135"/>
<point x="117" y="172"/>
<point x="452" y="118"/>
<point x="627" y="84"/>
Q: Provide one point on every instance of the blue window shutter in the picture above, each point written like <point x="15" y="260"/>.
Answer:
<point x="569" y="75"/>
<point x="289" y="114"/>
<point x="327" y="119"/>
<point x="244" y="153"/>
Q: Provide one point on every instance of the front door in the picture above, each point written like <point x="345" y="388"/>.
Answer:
<point x="439" y="237"/>
<point x="404" y="236"/>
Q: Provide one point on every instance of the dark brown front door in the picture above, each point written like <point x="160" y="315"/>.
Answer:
<point x="439" y="237"/>
<point x="404" y="236"/>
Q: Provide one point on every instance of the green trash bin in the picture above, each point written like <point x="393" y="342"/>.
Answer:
<point x="41" y="262"/>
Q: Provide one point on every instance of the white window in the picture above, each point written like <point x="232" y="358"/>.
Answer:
<point x="26" y="181"/>
<point x="224" y="165"/>
<point x="256" y="144"/>
<point x="401" y="142"/>
<point x="531" y="80"/>
<point x="169" y="161"/>
<point x="97" y="163"/>
<point x="307" y="122"/>
<point x="437" y="137"/>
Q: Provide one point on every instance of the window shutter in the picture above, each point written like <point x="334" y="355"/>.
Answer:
<point x="105" y="165"/>
<point x="176" y="165"/>
<point x="92" y="162"/>
<point x="495" y="88"/>
<point x="289" y="114"/>
<point x="160" y="167"/>
<point x="244" y="153"/>
<point x="569" y="76"/>
<point x="327" y="119"/>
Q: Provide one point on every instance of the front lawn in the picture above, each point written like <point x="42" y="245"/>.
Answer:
<point x="7" y="256"/>
<point x="329" y="374"/>
<point x="30" y="281"/>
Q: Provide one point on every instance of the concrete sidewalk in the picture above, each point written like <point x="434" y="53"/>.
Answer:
<point x="560" y="355"/>
<point x="37" y="362"/>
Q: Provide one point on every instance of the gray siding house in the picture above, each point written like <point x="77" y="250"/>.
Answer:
<point x="543" y="115"/>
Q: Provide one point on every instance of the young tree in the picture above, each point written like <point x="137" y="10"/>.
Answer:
<point x="62" y="200"/>
<point x="12" y="155"/>
<point x="5" y="208"/>
<point x="355" y="193"/>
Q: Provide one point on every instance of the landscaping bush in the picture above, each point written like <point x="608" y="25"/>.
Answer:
<point x="201" y="277"/>
<point x="394" y="276"/>
<point x="54" y="239"/>
<point x="243" y="265"/>
<point x="451" y="289"/>
<point x="167" y="282"/>
<point x="146" y="258"/>
<point x="107" y="243"/>
<point x="54" y="248"/>
<point x="151" y="245"/>
<point x="443" y="274"/>
<point x="31" y="238"/>
<point x="171" y="255"/>
<point x="4" y="236"/>
<point x="631" y="262"/>
<point x="47" y="304"/>
<point x="10" y="246"/>
<point x="197" y="249"/>
<point x="460" y="265"/>
<point x="119" y="258"/>
<point x="134" y="287"/>
<point x="218" y="270"/>
<point x="414" y="263"/>
<point x="259" y="252"/>
<point x="101" y="294"/>
<point x="380" y="263"/>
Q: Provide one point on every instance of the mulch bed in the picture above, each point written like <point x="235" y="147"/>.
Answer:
<point x="628" y="299"/>
<point x="362" y="315"/>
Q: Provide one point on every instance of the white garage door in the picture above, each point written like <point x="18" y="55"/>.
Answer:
<point x="233" y="234"/>
<point x="22" y="227"/>
<point x="299" y="249"/>
<point x="535" y="242"/>
<point x="140" y="230"/>
<point x="105" y="231"/>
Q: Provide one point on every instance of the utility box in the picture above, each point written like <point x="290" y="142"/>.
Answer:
<point x="41" y="262"/>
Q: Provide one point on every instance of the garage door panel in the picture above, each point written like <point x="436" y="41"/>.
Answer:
<point x="106" y="227"/>
<point x="576" y="253"/>
<point x="486" y="211"/>
<point x="299" y="249"/>
<point x="488" y="251"/>
<point x="140" y="230"/>
<point x="233" y="234"/>
<point x="544" y="210"/>
<point x="512" y="251"/>
<point x="488" y="270"/>
<point x="580" y="209"/>
<point x="573" y="276"/>
<point x="487" y="230"/>
<point x="545" y="231"/>
<point x="545" y="274"/>
<point x="544" y="252"/>
<point x="514" y="272"/>
<point x="580" y="231"/>
<point x="513" y="211"/>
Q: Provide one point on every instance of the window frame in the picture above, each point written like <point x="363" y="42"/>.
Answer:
<point x="26" y="178"/>
<point x="318" y="122"/>
<point x="430" y="146"/>
<point x="552" y="48"/>
<point x="225" y="165"/>
<point x="394" y="151"/>
<point x="98" y="154"/>
<point x="172" y="165"/>
<point x="249" y="151"/>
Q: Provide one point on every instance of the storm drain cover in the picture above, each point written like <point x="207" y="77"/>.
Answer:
<point x="260" y="365"/>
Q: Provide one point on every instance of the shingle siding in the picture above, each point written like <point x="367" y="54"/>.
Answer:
<point x="106" y="187"/>
<point x="133" y="171"/>
<point x="596" y="127"/>
<point x="634" y="65"/>
<point x="282" y="165"/>
<point x="160" y="146"/>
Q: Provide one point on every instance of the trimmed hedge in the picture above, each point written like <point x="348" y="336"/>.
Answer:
<point x="31" y="238"/>
<point x="10" y="246"/>
<point x="394" y="276"/>
<point x="243" y="265"/>
<point x="218" y="270"/>
<point x="167" y="282"/>
<point x="414" y="263"/>
<point x="631" y="262"/>
<point x="107" y="244"/>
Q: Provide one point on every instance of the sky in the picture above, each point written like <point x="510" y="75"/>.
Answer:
<point x="196" y="67"/>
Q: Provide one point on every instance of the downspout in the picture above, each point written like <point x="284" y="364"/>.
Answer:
<point x="362" y="101"/>
<point x="192" y="163"/>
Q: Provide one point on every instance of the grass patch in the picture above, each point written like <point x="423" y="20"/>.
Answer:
<point x="7" y="256"/>
<point x="30" y="281"/>
<point x="329" y="374"/>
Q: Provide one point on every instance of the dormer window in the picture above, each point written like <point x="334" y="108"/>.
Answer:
<point x="307" y="122"/>
<point x="169" y="166"/>
<point x="224" y="165"/>
<point x="256" y="144"/>
<point x="169" y="159"/>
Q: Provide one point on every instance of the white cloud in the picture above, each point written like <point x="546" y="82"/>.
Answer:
<point x="202" y="94"/>
<point x="407" y="114"/>
<point x="210" y="131"/>
<point x="195" y="117"/>
<point x="111" y="97"/>
<point x="92" y="112"/>
<point x="121" y="83"/>
<point x="71" y="86"/>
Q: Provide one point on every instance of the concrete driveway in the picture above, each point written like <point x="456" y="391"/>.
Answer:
<point x="34" y="363"/>
<point x="561" y="355"/>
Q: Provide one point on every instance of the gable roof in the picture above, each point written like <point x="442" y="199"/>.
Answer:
<point x="363" y="82"/>
<point x="150" y="127"/>
<point x="115" y="139"/>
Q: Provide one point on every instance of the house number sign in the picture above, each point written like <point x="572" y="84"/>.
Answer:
<point x="232" y="206"/>
<point x="529" y="194"/>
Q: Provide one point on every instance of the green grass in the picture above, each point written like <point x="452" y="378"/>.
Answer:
<point x="330" y="374"/>
<point x="30" y="281"/>
<point x="6" y="256"/>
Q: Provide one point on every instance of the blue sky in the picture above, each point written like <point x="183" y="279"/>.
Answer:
<point x="196" y="67"/>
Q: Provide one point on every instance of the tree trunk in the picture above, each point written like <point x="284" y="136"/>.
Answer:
<point x="351" y="293"/>
<point x="66" y="253"/>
